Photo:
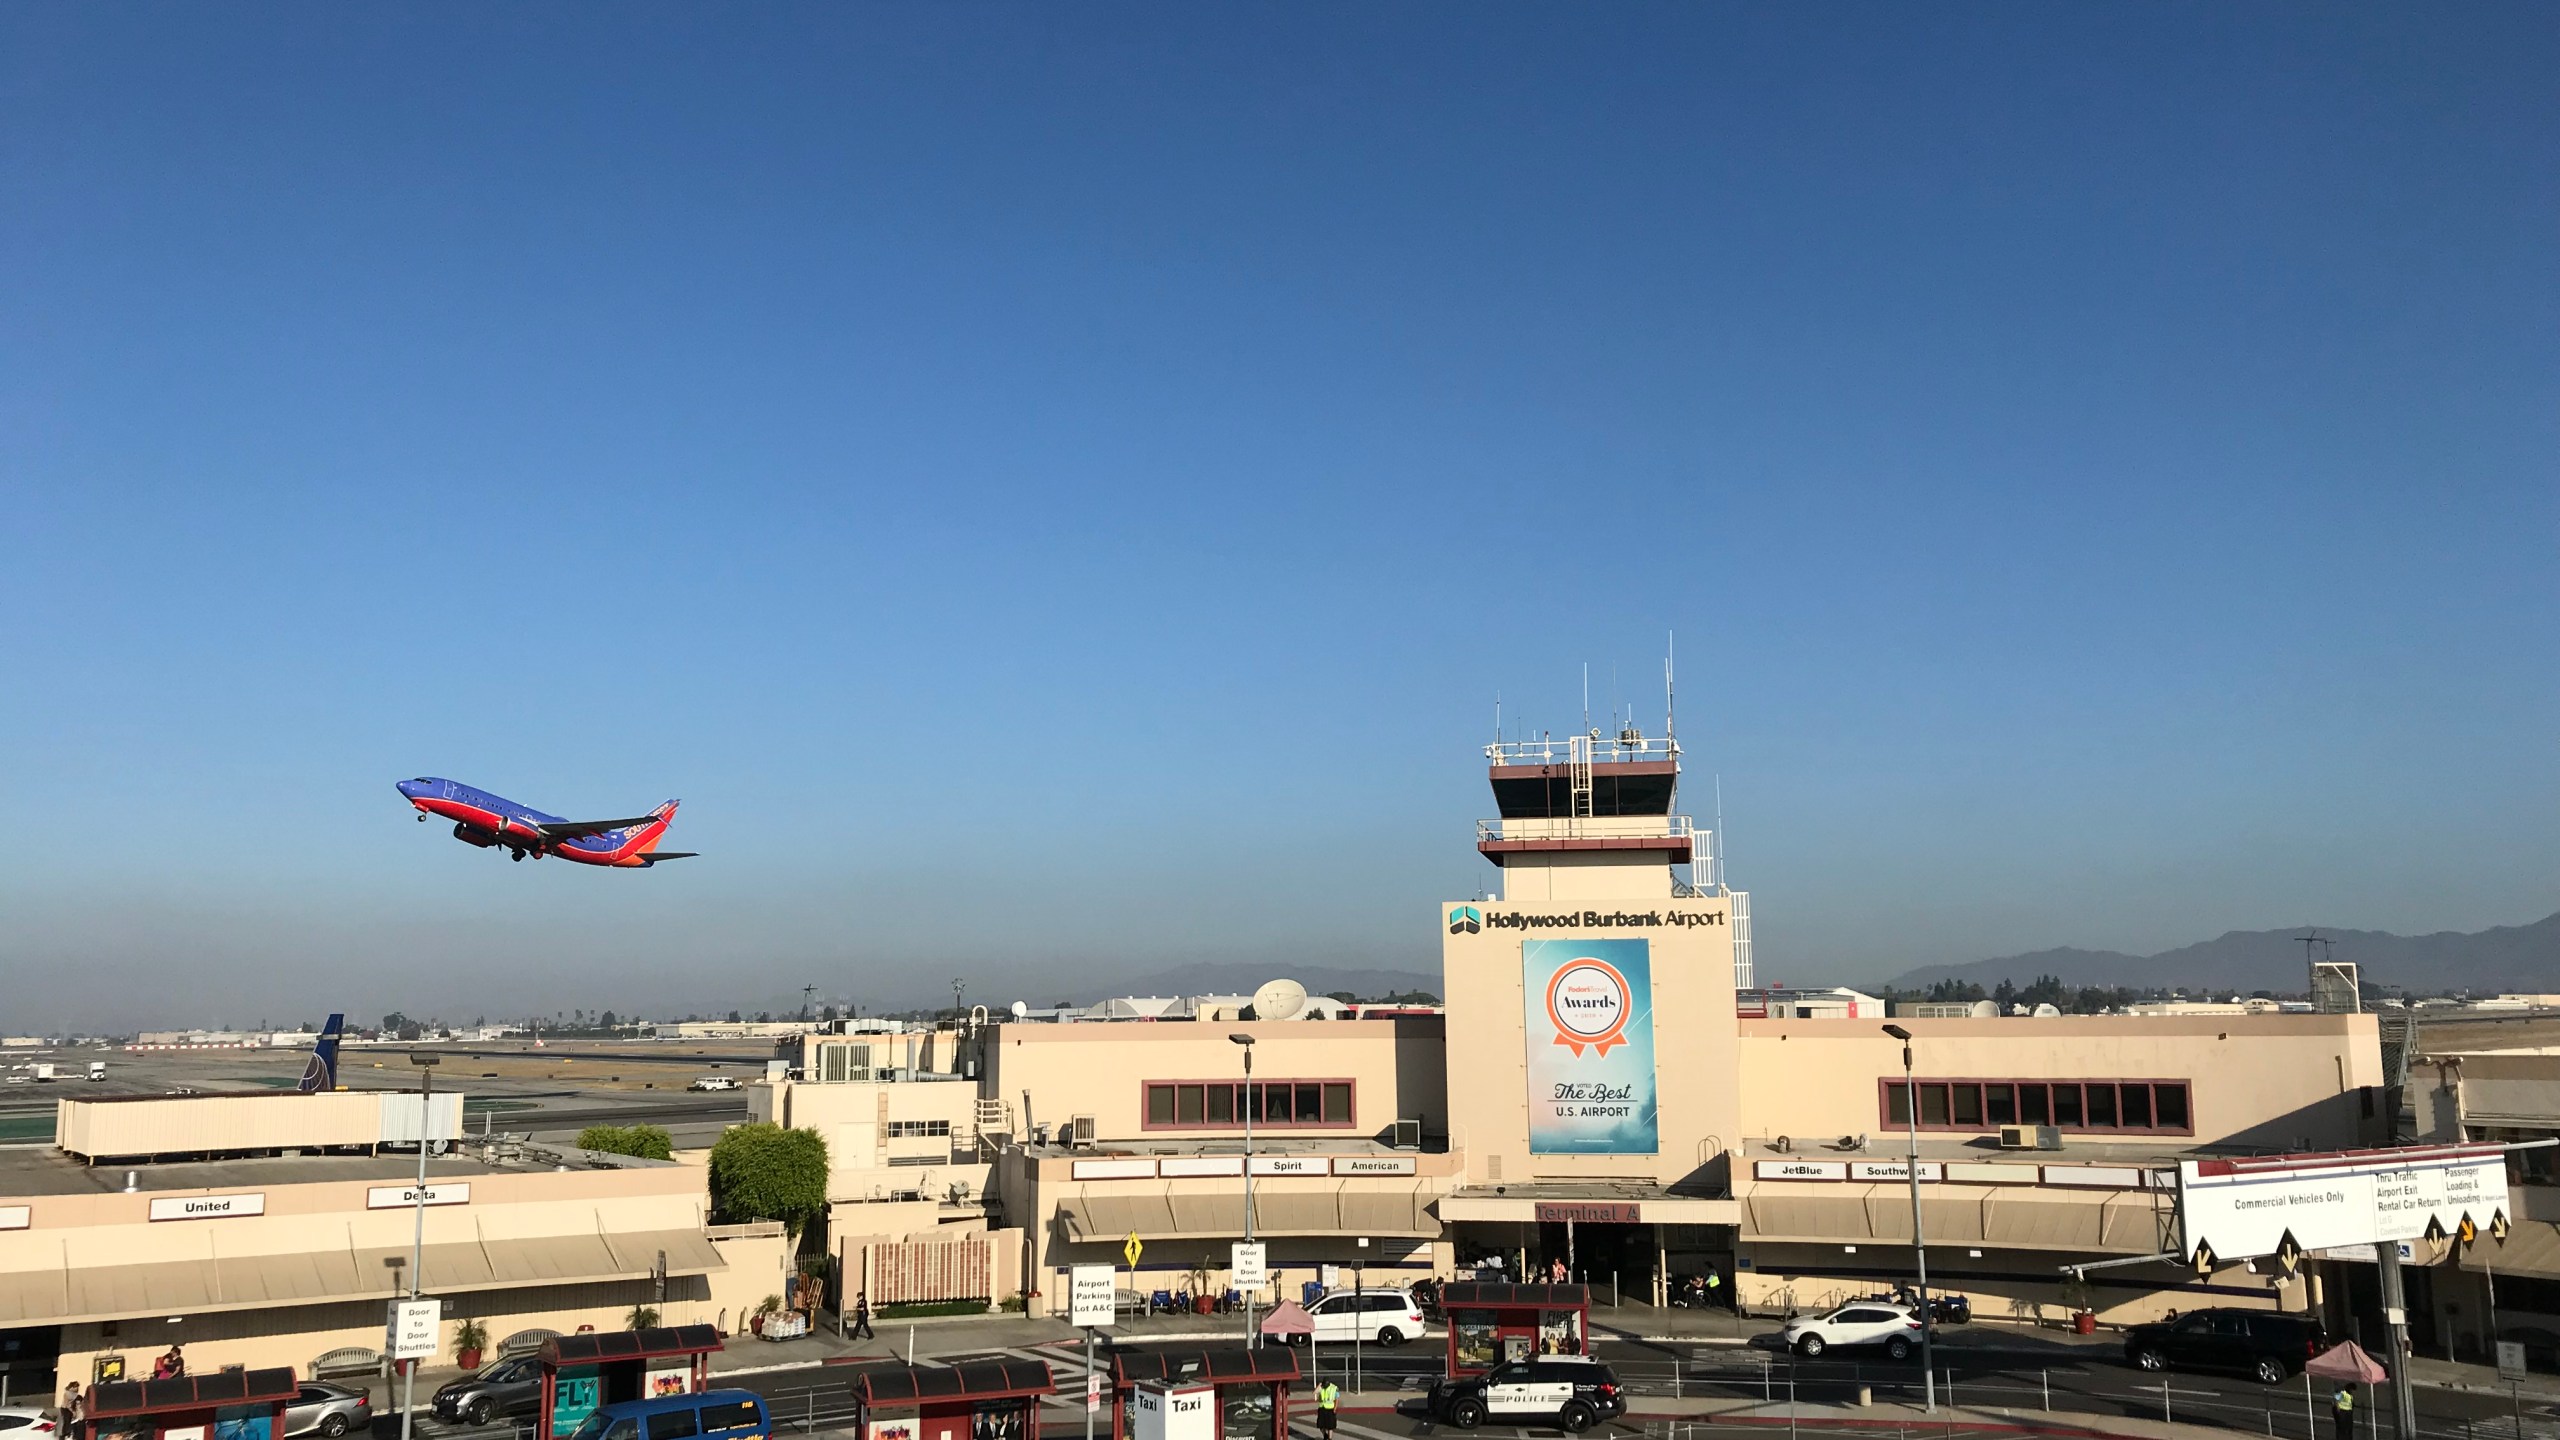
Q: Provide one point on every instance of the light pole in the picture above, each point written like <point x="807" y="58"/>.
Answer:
<point x="1247" y="1042"/>
<point x="418" y="1237"/>
<point x="1919" y="1242"/>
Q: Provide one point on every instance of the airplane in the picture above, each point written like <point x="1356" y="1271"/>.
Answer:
<point x="489" y="821"/>
<point x="321" y="1071"/>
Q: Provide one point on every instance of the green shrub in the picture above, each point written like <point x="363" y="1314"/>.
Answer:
<point x="764" y="1172"/>
<point x="647" y="1142"/>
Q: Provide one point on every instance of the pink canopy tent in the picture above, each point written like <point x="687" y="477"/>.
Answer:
<point x="1288" y="1318"/>
<point x="2346" y="1362"/>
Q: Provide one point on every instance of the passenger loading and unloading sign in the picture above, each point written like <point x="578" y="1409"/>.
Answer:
<point x="1590" y="1030"/>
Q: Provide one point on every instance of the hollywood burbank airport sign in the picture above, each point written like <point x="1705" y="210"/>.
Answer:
<point x="2286" y="1205"/>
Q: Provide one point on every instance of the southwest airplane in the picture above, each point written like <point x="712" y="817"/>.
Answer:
<point x="486" y="820"/>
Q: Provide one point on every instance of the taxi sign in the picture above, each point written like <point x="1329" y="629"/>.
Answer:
<point x="1133" y="1249"/>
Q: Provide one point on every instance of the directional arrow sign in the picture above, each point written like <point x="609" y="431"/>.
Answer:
<point x="2435" y="1227"/>
<point x="2498" y="1225"/>
<point x="2288" y="1253"/>
<point x="2204" y="1259"/>
<point x="2466" y="1233"/>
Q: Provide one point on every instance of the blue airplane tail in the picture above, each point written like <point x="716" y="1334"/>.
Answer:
<point x="321" y="1073"/>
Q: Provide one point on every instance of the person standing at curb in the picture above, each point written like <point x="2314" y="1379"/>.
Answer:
<point x="1328" y="1395"/>
<point x="862" y="1315"/>
<point x="2342" y="1412"/>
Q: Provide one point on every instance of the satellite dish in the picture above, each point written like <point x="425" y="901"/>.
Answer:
<point x="1279" y="1000"/>
<point x="1020" y="1009"/>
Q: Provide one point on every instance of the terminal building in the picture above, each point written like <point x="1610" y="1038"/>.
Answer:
<point x="1593" y="1097"/>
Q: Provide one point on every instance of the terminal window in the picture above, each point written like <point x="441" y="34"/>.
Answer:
<point x="2151" y="1107"/>
<point x="918" y="1129"/>
<point x="1224" y="1104"/>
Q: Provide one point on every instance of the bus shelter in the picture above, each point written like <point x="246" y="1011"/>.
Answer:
<point x="1230" y="1393"/>
<point x="1491" y="1323"/>
<point x="228" y="1405"/>
<point x="581" y="1373"/>
<point x="983" y="1400"/>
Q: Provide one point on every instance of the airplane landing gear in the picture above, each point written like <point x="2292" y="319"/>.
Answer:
<point x="422" y="817"/>
<point x="515" y="855"/>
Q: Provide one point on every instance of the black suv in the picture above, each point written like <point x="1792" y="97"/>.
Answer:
<point x="2259" y="1343"/>
<point x="1570" y="1392"/>
<point x="513" y="1386"/>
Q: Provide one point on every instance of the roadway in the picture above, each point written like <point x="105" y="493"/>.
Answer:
<point x="1981" y="1369"/>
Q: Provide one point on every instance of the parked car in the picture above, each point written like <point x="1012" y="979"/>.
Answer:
<point x="712" y="1415"/>
<point x="1860" y="1322"/>
<point x="19" y="1423"/>
<point x="1388" y="1316"/>
<point x="512" y="1386"/>
<point x="2259" y="1343"/>
<point x="1571" y="1392"/>
<point x="320" y="1408"/>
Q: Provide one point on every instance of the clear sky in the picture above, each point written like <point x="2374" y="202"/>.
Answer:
<point x="1058" y="489"/>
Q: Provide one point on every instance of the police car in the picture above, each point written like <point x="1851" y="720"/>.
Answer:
<point x="1570" y="1392"/>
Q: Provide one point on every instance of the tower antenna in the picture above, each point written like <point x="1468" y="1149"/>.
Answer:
<point x="808" y="994"/>
<point x="1586" y="696"/>
<point x="1669" y="710"/>
<point x="1719" y="865"/>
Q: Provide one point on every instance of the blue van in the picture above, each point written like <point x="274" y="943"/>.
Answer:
<point x="718" y="1414"/>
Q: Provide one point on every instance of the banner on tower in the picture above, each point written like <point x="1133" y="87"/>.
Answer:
<point x="1590" y="1029"/>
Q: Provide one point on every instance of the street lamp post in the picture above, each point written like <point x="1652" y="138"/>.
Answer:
<point x="1919" y="1241"/>
<point x="418" y="1236"/>
<point x="1247" y="1042"/>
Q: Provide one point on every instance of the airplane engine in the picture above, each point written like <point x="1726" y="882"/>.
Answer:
<point x="473" y="835"/>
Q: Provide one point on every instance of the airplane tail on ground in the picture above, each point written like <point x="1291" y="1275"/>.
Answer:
<point x="321" y="1071"/>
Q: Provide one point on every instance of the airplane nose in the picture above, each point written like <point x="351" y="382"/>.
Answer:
<point x="407" y="788"/>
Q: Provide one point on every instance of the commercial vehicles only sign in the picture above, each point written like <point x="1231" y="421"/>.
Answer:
<point x="2287" y="1205"/>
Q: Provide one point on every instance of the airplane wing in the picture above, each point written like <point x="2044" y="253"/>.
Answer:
<point x="654" y="856"/>
<point x="581" y="829"/>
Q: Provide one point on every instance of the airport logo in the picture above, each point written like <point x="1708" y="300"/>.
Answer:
<point x="1588" y="1001"/>
<point x="1465" y="920"/>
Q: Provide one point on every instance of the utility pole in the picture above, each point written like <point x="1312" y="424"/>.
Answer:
<point x="1249" y="1097"/>
<point x="2395" y="1317"/>
<point x="418" y="1238"/>
<point x="1919" y="1241"/>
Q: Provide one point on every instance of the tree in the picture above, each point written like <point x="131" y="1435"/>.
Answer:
<point x="764" y="1172"/>
<point x="733" y="1017"/>
<point x="606" y="1019"/>
<point x="648" y="1142"/>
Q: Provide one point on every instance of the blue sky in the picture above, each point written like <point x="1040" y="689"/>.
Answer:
<point x="1057" y="490"/>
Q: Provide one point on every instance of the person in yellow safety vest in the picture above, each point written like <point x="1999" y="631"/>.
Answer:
<point x="1327" y="1393"/>
<point x="2342" y="1411"/>
<point x="1715" y="1286"/>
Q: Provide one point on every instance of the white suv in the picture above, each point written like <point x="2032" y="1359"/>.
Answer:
<point x="1860" y="1322"/>
<point x="1389" y="1317"/>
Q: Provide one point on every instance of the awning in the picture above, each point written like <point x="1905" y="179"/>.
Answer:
<point x="1164" y="1215"/>
<point x="252" y="1282"/>
<point x="2115" y="1221"/>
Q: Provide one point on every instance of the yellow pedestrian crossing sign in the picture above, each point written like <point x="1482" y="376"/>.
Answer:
<point x="1133" y="1249"/>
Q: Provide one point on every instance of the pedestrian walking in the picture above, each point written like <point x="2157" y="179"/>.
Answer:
<point x="1328" y="1395"/>
<point x="75" y="1407"/>
<point x="862" y="1315"/>
<point x="2342" y="1412"/>
<point x="1715" y="1287"/>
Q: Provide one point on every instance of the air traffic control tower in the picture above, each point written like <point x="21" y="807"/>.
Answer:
<point x="1594" y="1057"/>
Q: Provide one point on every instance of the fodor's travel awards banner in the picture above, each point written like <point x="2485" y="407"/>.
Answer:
<point x="1590" y="1028"/>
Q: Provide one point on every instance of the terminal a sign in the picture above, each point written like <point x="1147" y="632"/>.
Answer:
<point x="1589" y="1214"/>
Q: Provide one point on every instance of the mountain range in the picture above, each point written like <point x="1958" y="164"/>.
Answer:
<point x="2504" y="958"/>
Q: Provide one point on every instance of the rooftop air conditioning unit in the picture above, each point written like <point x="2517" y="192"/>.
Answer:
<point x="2030" y="1137"/>
<point x="1080" y="1132"/>
<point x="1407" y="1135"/>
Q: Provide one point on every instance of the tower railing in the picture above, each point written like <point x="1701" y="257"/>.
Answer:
<point x="1591" y="827"/>
<point x="1625" y="747"/>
